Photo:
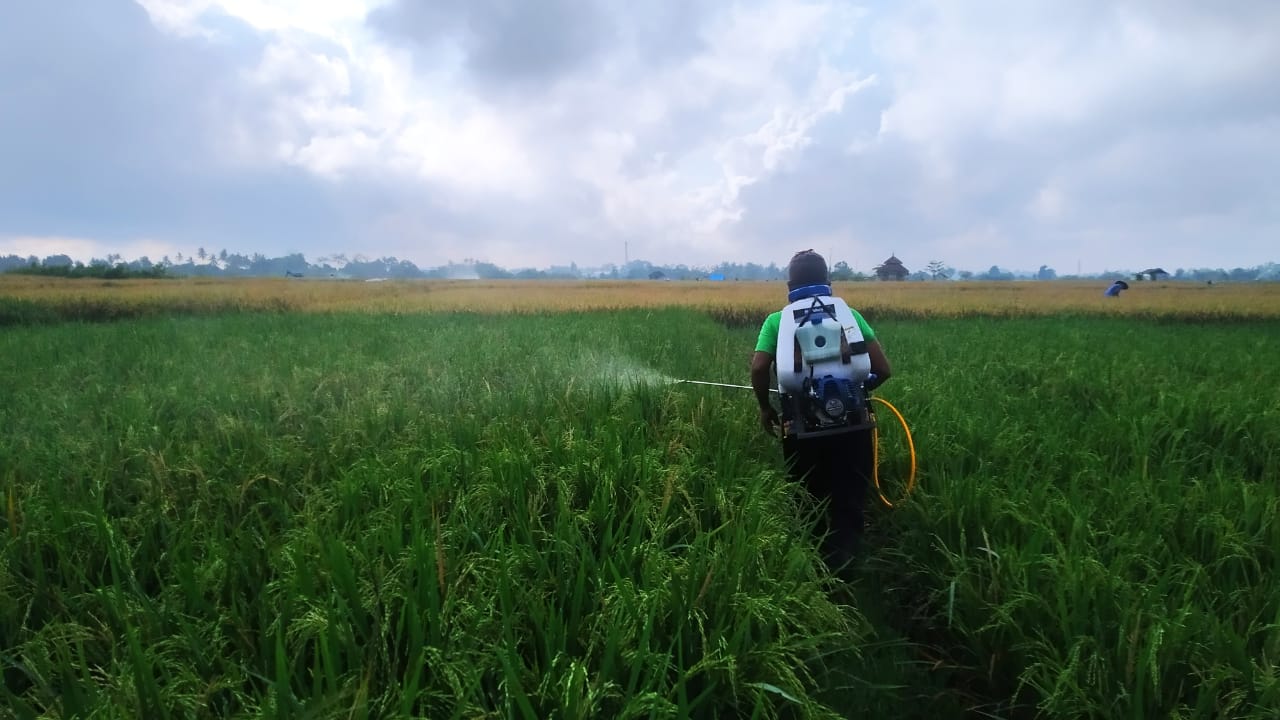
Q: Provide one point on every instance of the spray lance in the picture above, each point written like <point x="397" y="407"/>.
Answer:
<point x="703" y="382"/>
<point x="875" y="435"/>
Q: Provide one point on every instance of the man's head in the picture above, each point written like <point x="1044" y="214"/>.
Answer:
<point x="807" y="268"/>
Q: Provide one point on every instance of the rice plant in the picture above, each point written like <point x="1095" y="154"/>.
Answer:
<point x="26" y="300"/>
<point x="1096" y="534"/>
<point x="460" y="515"/>
<point x="387" y="517"/>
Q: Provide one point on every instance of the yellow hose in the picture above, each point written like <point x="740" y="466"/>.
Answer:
<point x="875" y="454"/>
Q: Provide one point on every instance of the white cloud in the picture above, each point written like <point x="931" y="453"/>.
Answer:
<point x="181" y="17"/>
<point x="1049" y="203"/>
<point x="987" y="133"/>
<point x="360" y="111"/>
<point x="334" y="20"/>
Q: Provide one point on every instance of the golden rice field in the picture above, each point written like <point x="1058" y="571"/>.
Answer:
<point x="97" y="299"/>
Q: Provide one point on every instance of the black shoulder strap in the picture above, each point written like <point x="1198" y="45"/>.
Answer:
<point x="804" y="315"/>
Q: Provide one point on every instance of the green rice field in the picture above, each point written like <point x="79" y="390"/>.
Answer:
<point x="454" y="515"/>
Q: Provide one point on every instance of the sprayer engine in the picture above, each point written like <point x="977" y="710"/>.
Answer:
<point x="829" y="405"/>
<point x="834" y="398"/>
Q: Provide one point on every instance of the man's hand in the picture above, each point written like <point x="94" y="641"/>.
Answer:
<point x="769" y="420"/>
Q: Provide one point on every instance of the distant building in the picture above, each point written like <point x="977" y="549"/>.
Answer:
<point x="892" y="269"/>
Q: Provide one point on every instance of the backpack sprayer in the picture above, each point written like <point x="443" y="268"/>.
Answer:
<point x="875" y="435"/>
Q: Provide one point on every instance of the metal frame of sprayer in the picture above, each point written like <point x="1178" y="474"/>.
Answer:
<point x="828" y="406"/>
<point x="830" y="403"/>
<point x="911" y="478"/>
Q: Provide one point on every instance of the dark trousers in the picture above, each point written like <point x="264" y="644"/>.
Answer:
<point x="836" y="470"/>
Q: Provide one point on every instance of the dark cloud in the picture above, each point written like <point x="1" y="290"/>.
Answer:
<point x="1160" y="177"/>
<point x="105" y="119"/>
<point x="869" y="195"/>
<point x="114" y="130"/>
<point x="531" y="46"/>
<point x="504" y="43"/>
<point x="89" y="84"/>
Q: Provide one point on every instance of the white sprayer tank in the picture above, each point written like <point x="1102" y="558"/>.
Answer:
<point x="808" y="329"/>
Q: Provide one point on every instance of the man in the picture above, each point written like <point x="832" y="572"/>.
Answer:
<point x="1116" y="287"/>
<point x="836" y="468"/>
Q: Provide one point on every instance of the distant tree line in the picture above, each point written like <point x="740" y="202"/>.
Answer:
<point x="229" y="264"/>
<point x="95" y="269"/>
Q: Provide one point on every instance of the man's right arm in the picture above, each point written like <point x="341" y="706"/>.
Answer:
<point x="761" y="365"/>
<point x="761" y="368"/>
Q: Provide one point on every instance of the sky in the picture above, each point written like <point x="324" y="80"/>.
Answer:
<point x="1084" y="135"/>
